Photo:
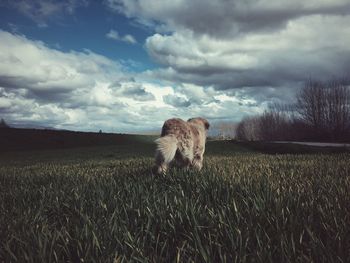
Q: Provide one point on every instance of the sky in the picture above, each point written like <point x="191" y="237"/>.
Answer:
<point x="126" y="66"/>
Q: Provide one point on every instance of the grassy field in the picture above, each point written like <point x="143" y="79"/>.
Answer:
<point x="101" y="204"/>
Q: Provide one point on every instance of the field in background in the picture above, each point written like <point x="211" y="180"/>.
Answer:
<point x="36" y="139"/>
<point x="99" y="204"/>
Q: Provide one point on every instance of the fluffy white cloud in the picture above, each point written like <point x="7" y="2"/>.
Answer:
<point x="41" y="70"/>
<point x="188" y="100"/>
<point x="77" y="90"/>
<point x="112" y="34"/>
<point x="41" y="86"/>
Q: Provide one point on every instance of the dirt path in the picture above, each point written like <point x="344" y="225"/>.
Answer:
<point x="320" y="144"/>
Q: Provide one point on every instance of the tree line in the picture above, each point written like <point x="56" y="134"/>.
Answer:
<point x="321" y="113"/>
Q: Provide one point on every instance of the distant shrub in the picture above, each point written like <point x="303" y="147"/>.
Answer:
<point x="3" y="124"/>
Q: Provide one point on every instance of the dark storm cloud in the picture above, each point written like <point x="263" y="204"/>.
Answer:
<point x="280" y="60"/>
<point x="280" y="71"/>
<point x="176" y="101"/>
<point x="266" y="48"/>
<point x="226" y="18"/>
<point x="48" y="94"/>
<point x="138" y="93"/>
<point x="132" y="90"/>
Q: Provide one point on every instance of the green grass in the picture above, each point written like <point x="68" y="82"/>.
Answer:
<point x="101" y="204"/>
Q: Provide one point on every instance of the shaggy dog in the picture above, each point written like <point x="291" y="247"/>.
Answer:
<point x="182" y="142"/>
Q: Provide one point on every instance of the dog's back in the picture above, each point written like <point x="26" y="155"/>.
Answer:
<point x="180" y="140"/>
<point x="176" y="127"/>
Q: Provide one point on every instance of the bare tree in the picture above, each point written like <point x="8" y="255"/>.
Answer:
<point x="226" y="130"/>
<point x="311" y="103"/>
<point x="248" y="129"/>
<point x="240" y="131"/>
<point x="322" y="112"/>
<point x="337" y="109"/>
<point x="324" y="107"/>
<point x="273" y="126"/>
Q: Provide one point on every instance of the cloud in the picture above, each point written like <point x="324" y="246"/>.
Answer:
<point x="53" y="71"/>
<point x="42" y="11"/>
<point x="274" y="63"/>
<point x="132" y="90"/>
<point x="112" y="34"/>
<point x="71" y="90"/>
<point x="197" y="94"/>
<point x="262" y="48"/>
<point x="176" y="101"/>
<point x="189" y="100"/>
<point x="223" y="18"/>
<point x="42" y="86"/>
<point x="222" y="60"/>
<point x="300" y="48"/>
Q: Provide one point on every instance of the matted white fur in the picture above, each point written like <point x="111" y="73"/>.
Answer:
<point x="167" y="146"/>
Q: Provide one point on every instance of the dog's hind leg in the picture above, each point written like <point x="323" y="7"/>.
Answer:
<point x="197" y="162"/>
<point x="186" y="157"/>
<point x="160" y="166"/>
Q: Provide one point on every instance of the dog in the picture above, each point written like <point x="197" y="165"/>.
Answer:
<point x="182" y="142"/>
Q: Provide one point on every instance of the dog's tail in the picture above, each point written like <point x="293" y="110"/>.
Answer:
<point x="166" y="148"/>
